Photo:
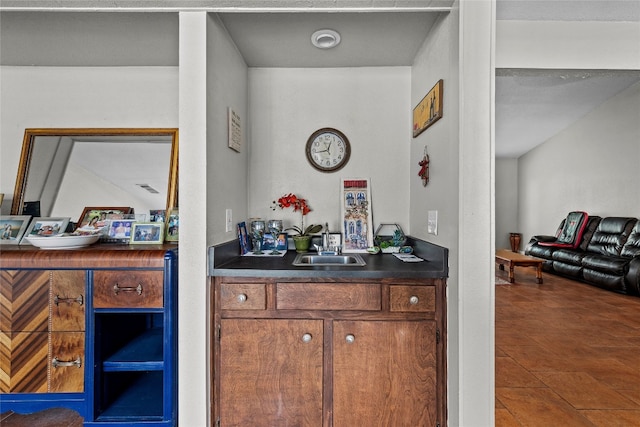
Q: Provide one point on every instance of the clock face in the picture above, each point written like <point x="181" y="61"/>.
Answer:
<point x="328" y="150"/>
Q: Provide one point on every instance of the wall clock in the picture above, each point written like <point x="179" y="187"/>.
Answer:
<point x="328" y="150"/>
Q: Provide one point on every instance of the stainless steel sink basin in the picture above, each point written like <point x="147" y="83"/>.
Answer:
<point x="322" y="260"/>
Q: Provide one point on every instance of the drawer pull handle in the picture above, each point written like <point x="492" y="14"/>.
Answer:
<point x="241" y="298"/>
<point x="350" y="338"/>
<point x="414" y="300"/>
<point x="137" y="289"/>
<point x="307" y="338"/>
<point x="57" y="363"/>
<point x="69" y="300"/>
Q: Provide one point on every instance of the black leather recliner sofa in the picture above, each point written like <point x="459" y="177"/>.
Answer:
<point x="607" y="255"/>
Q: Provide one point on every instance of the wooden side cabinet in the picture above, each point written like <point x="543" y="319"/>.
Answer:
<point x="42" y="331"/>
<point x="93" y="330"/>
<point x="328" y="353"/>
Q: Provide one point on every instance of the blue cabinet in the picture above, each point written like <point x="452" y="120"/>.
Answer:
<point x="130" y="340"/>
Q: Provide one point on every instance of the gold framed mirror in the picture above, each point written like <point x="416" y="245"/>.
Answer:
<point x="64" y="169"/>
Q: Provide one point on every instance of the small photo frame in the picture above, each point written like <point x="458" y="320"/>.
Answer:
<point x="279" y="242"/>
<point x="41" y="226"/>
<point x="157" y="215"/>
<point x="335" y="240"/>
<point x="120" y="229"/>
<point x="173" y="226"/>
<point x="97" y="218"/>
<point x="243" y="238"/>
<point x="12" y="228"/>
<point x="147" y="233"/>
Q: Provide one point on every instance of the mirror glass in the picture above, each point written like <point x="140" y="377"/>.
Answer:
<point x="66" y="170"/>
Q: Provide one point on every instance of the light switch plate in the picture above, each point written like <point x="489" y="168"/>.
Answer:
<point x="432" y="222"/>
<point x="229" y="220"/>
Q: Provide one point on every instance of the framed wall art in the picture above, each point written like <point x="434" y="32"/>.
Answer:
<point x="12" y="228"/>
<point x="356" y="213"/>
<point x="429" y="109"/>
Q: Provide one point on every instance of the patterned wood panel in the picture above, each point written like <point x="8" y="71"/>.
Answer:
<point x="68" y="300"/>
<point x="23" y="368"/>
<point x="24" y="300"/>
<point x="67" y="348"/>
<point x="24" y="317"/>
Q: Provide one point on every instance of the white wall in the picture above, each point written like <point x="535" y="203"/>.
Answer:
<point x="506" y="202"/>
<point x="592" y="166"/>
<point x="369" y="105"/>
<point x="438" y="59"/>
<point x="87" y="97"/>
<point x="227" y="171"/>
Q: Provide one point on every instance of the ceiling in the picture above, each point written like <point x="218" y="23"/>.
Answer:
<point x="531" y="105"/>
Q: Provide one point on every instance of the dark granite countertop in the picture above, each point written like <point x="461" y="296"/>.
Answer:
<point x="224" y="260"/>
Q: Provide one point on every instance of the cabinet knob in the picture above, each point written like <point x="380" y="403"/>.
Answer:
<point x="241" y="298"/>
<point x="350" y="338"/>
<point x="307" y="337"/>
<point x="414" y="300"/>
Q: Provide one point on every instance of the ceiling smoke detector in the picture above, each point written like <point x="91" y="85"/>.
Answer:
<point x="325" y="39"/>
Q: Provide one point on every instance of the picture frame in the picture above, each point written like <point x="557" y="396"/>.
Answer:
<point x="147" y="233"/>
<point x="120" y="229"/>
<point x="234" y="130"/>
<point x="335" y="240"/>
<point x="172" y="229"/>
<point x="357" y="225"/>
<point x="429" y="109"/>
<point x="157" y="215"/>
<point x="243" y="238"/>
<point x="12" y="228"/>
<point x="45" y="226"/>
<point x="279" y="243"/>
<point x="96" y="218"/>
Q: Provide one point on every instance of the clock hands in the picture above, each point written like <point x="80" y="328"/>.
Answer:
<point x="326" y="149"/>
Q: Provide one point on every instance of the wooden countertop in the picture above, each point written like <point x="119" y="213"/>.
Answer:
<point x="97" y="256"/>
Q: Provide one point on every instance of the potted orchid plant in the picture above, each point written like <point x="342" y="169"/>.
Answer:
<point x="302" y="239"/>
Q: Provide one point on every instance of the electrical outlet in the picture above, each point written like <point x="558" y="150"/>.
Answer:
<point x="432" y="222"/>
<point x="229" y="220"/>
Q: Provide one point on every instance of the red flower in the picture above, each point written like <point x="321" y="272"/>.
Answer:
<point x="299" y="205"/>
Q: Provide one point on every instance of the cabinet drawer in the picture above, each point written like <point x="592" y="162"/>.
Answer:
<point x="66" y="362"/>
<point x="243" y="296"/>
<point x="128" y="289"/>
<point x="412" y="298"/>
<point x="328" y="296"/>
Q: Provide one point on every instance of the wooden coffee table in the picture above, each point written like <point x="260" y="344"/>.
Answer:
<point x="505" y="257"/>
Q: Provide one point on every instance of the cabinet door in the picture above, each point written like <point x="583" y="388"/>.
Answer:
<point x="67" y="300"/>
<point x="24" y="318"/>
<point x="66" y="373"/>
<point x="384" y="373"/>
<point x="271" y="372"/>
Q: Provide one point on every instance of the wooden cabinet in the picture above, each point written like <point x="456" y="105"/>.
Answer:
<point x="42" y="331"/>
<point x="272" y="372"/>
<point x="327" y="353"/>
<point x="93" y="330"/>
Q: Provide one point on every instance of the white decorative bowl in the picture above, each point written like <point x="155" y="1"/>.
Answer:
<point x="64" y="241"/>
